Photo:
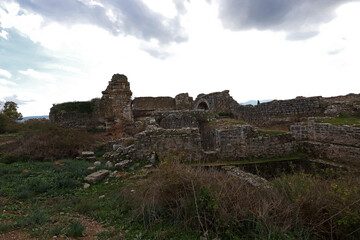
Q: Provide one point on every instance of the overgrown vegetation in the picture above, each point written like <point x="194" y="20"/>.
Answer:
<point x="208" y="201"/>
<point x="344" y="119"/>
<point x="81" y="107"/>
<point x="41" y="140"/>
<point x="176" y="202"/>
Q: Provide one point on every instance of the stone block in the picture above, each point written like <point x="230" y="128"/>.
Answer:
<point x="97" y="176"/>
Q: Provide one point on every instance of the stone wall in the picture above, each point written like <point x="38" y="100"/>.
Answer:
<point x="240" y="142"/>
<point x="287" y="112"/>
<point x="182" y="143"/>
<point x="327" y="141"/>
<point x="76" y="114"/>
<point x="184" y="102"/>
<point x="244" y="141"/>
<point x="218" y="102"/>
<point x="338" y="153"/>
<point x="181" y="119"/>
<point x="284" y="110"/>
<point x="115" y="104"/>
<point x="145" y="106"/>
<point x="74" y="119"/>
<point x="327" y="133"/>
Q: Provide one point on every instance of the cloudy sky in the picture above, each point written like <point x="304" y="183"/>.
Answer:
<point x="52" y="51"/>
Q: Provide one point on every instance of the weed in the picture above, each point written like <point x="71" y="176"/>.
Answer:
<point x="86" y="205"/>
<point x="56" y="230"/>
<point x="76" y="229"/>
<point x="4" y="227"/>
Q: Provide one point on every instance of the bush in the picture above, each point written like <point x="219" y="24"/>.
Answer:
<point x="4" y="123"/>
<point x="76" y="229"/>
<point x="211" y="201"/>
<point x="45" y="141"/>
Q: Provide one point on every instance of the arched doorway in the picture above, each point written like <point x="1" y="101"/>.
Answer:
<point x="203" y="105"/>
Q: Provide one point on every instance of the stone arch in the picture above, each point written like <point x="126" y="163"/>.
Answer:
<point x="203" y="105"/>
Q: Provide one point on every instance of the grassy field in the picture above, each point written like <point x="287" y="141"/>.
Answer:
<point x="42" y="196"/>
<point x="44" y="199"/>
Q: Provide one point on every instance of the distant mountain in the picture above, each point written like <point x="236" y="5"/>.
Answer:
<point x="34" y="117"/>
<point x="254" y="102"/>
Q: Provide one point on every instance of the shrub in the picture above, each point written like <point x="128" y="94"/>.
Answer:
<point x="45" y="141"/>
<point x="76" y="229"/>
<point x="4" y="123"/>
<point x="211" y="201"/>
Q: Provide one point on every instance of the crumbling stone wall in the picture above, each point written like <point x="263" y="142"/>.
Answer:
<point x="218" y="102"/>
<point x="115" y="104"/>
<point x="338" y="153"/>
<point x="182" y="143"/>
<point x="244" y="142"/>
<point x="76" y="114"/>
<point x="327" y="141"/>
<point x="327" y="133"/>
<point x="181" y="119"/>
<point x="145" y="106"/>
<point x="261" y="115"/>
<point x="184" y="102"/>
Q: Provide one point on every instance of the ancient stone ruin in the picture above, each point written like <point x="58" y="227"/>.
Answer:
<point x="215" y="127"/>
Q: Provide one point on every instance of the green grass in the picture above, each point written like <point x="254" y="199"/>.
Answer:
<point x="45" y="201"/>
<point x="227" y="121"/>
<point x="344" y="120"/>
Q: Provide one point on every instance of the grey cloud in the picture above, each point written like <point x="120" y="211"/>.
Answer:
<point x="300" y="19"/>
<point x="131" y="17"/>
<point x="14" y="98"/>
<point x="297" y="36"/>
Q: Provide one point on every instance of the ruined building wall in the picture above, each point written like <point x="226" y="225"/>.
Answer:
<point x="76" y="114"/>
<point x="219" y="102"/>
<point x="145" y="106"/>
<point x="115" y="104"/>
<point x="261" y="114"/>
<point x="240" y="142"/>
<point x="182" y="143"/>
<point x="327" y="141"/>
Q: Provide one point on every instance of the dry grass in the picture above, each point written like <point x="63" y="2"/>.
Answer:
<point x="42" y="140"/>
<point x="211" y="201"/>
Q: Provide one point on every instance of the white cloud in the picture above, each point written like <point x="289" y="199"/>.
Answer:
<point x="5" y="73"/>
<point x="4" y="34"/>
<point x="7" y="82"/>
<point x="37" y="75"/>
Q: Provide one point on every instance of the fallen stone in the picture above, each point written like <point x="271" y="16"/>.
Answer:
<point x="86" y="185"/>
<point x="113" y="174"/>
<point x="87" y="154"/>
<point x="102" y="196"/>
<point x="109" y="164"/>
<point x="97" y="163"/>
<point x="117" y="146"/>
<point x="97" y="176"/>
<point x="153" y="158"/>
<point x="92" y="158"/>
<point x="122" y="164"/>
<point x="148" y="166"/>
<point x="92" y="168"/>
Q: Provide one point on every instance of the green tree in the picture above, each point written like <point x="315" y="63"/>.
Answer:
<point x="10" y="110"/>
<point x="4" y="122"/>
